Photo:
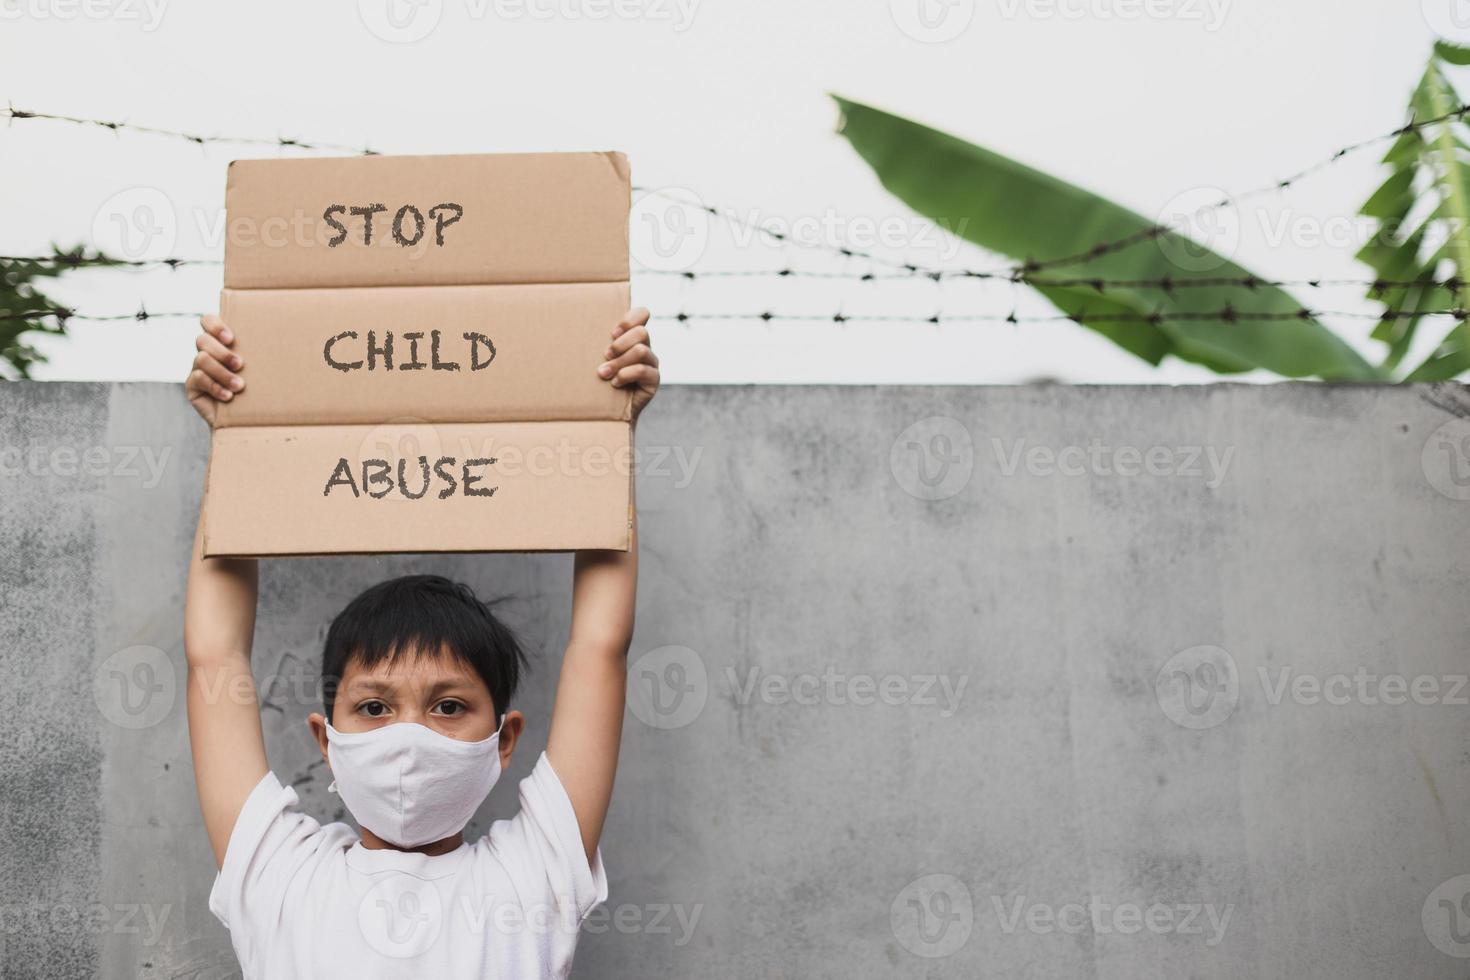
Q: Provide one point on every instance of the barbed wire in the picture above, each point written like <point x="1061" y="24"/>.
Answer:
<point x="66" y="314"/>
<point x="1100" y="249"/>
<point x="79" y="261"/>
<point x="200" y="139"/>
<point x="1227" y="314"/>
<point x="1285" y="183"/>
<point x="1166" y="284"/>
<point x="1010" y="271"/>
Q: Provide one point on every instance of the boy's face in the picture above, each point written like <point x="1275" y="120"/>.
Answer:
<point x="437" y="691"/>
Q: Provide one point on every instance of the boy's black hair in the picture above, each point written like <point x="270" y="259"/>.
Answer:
<point x="419" y="614"/>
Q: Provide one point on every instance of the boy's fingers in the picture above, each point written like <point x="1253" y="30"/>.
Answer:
<point x="217" y="372"/>
<point x="639" y="354"/>
<point x="207" y="344"/>
<point x="216" y="328"/>
<point x="635" y="335"/>
<point x="633" y="318"/>
<point x="637" y="374"/>
<point x="199" y="381"/>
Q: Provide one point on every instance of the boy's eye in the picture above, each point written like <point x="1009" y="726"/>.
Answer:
<point x="450" y="708"/>
<point x="373" y="709"/>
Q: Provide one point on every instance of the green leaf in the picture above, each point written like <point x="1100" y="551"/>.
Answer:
<point x="1399" y="332"/>
<point x="1420" y="103"/>
<point x="1450" y="358"/>
<point x="1452" y="53"/>
<point x="1453" y="185"/>
<point x="1405" y="149"/>
<point x="1007" y="207"/>
<point x="1141" y="338"/>
<point x="1393" y="198"/>
<point x="1150" y="341"/>
<point x="1438" y="152"/>
<point x="19" y="294"/>
<point x="1388" y="255"/>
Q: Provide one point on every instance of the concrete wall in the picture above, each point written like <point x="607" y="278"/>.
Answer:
<point x="918" y="690"/>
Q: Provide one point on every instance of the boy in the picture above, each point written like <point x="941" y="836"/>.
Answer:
<point x="417" y="680"/>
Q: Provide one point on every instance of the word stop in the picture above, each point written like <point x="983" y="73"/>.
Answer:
<point x="408" y="224"/>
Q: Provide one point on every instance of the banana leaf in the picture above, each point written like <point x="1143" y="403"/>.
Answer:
<point x="1009" y="208"/>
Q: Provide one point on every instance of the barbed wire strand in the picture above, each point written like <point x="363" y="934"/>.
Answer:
<point x="200" y="139"/>
<point x="1226" y="314"/>
<point x="1282" y="184"/>
<point x="1100" y="249"/>
<point x="1100" y="285"/>
<point x="74" y="261"/>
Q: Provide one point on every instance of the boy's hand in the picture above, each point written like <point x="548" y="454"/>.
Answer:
<point x="630" y="360"/>
<point x="215" y="376"/>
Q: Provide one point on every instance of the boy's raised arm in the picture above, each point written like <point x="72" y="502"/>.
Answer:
<point x="219" y="627"/>
<point x="587" y="722"/>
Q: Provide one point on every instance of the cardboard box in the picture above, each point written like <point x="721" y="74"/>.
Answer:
<point x="421" y="337"/>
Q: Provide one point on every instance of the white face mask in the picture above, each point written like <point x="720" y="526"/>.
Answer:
<point x="407" y="783"/>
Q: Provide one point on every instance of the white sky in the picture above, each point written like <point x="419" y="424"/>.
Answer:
<point x="1141" y="100"/>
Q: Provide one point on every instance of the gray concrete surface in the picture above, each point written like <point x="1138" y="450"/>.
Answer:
<point x="918" y="690"/>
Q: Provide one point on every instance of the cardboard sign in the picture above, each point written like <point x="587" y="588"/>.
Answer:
<point x="421" y="336"/>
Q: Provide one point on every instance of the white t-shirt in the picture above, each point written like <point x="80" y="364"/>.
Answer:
<point x="304" y="901"/>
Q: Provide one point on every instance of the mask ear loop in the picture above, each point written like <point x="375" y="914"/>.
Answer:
<point x="332" y="786"/>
